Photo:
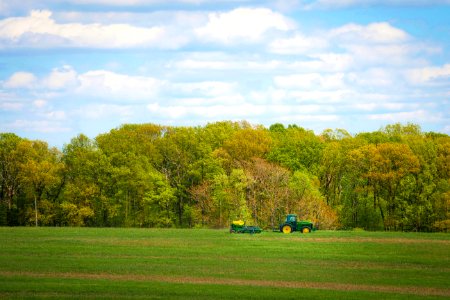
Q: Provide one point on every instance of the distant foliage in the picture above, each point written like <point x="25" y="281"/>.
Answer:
<point x="147" y="175"/>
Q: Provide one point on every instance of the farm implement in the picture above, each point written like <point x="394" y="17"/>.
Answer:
<point x="240" y="227"/>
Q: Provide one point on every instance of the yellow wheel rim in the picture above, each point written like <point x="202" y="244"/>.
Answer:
<point x="287" y="229"/>
<point x="305" y="230"/>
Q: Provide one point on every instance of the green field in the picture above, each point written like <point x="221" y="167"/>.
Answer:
<point x="212" y="264"/>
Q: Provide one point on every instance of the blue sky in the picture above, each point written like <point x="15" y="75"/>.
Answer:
<point x="88" y="66"/>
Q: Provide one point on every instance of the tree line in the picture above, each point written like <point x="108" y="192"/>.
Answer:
<point x="148" y="175"/>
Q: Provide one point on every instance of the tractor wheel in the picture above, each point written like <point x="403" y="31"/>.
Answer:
<point x="287" y="229"/>
<point x="306" y="230"/>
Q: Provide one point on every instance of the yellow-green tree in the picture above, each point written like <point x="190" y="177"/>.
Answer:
<point x="41" y="170"/>
<point x="383" y="167"/>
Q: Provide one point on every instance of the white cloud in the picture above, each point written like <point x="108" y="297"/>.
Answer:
<point x="42" y="126"/>
<point x="111" y="86"/>
<point x="20" y="80"/>
<point x="329" y="62"/>
<point x="242" y="110"/>
<point x="319" y="96"/>
<point x="377" y="78"/>
<point x="310" y="81"/>
<point x="101" y="111"/>
<point x="242" y="25"/>
<point x="323" y="62"/>
<point x="11" y="106"/>
<point x="372" y="33"/>
<point x="203" y="64"/>
<point x="230" y="99"/>
<point x="236" y="63"/>
<point x="61" y="78"/>
<point x="207" y="88"/>
<point x="40" y="103"/>
<point x="298" y="44"/>
<point x="313" y="118"/>
<point x="207" y="112"/>
<point x="103" y="83"/>
<point x="377" y="44"/>
<point x="336" y="4"/>
<point x="134" y="2"/>
<point x="40" y="30"/>
<point x="429" y="75"/>
<point x="351" y="46"/>
<point x="390" y="106"/>
<point x="57" y="115"/>
<point x="383" y="55"/>
<point x="421" y="116"/>
<point x="97" y="83"/>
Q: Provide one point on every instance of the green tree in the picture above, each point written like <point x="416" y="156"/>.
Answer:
<point x="41" y="171"/>
<point x="10" y="160"/>
<point x="159" y="203"/>
<point x="246" y="144"/>
<point x="296" y="149"/>
<point x="133" y="155"/>
<point x="309" y="202"/>
<point x="180" y="150"/>
<point x="88" y="173"/>
<point x="382" y="168"/>
<point x="396" y="178"/>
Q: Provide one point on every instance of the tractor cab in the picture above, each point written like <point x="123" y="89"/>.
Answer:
<point x="291" y="219"/>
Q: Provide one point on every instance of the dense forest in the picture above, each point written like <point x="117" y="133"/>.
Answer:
<point x="147" y="175"/>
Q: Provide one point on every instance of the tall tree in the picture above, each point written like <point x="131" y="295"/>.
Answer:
<point x="384" y="166"/>
<point x="268" y="191"/>
<point x="41" y="170"/>
<point x="180" y="149"/>
<point x="88" y="173"/>
<point x="309" y="203"/>
<point x="10" y="160"/>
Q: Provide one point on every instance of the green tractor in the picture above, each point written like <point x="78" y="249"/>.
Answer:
<point x="291" y="224"/>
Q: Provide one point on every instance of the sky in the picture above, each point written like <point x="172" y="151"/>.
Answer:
<point x="88" y="66"/>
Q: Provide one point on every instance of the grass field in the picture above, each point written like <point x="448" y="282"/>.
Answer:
<point x="102" y="263"/>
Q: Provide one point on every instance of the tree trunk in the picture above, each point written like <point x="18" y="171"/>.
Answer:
<point x="382" y="216"/>
<point x="35" y="211"/>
